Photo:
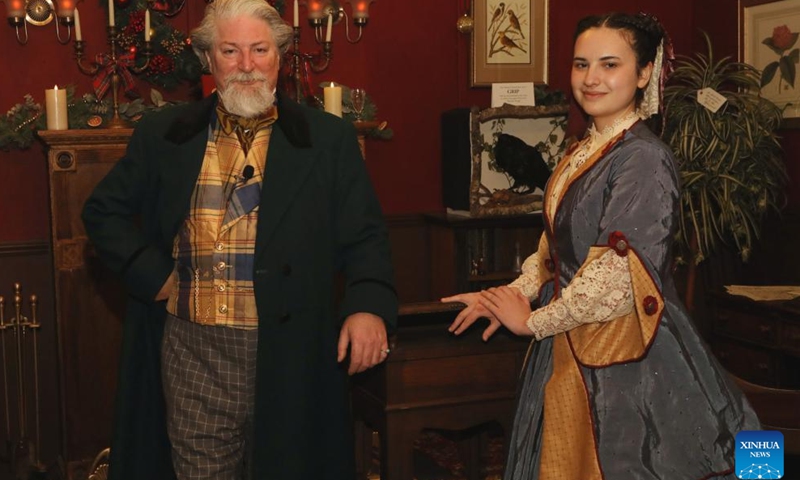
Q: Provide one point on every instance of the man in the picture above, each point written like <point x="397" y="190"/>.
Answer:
<point x="227" y="220"/>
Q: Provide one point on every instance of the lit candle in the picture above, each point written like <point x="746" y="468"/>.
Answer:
<point x="56" y="100"/>
<point x="328" y="32"/>
<point x="78" y="36"/>
<point x="111" y="22"/>
<point x="333" y="99"/>
<point x="296" y="14"/>
<point x="147" y="25"/>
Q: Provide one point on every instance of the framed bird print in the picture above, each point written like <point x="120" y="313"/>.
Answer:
<point x="509" y="41"/>
<point x="514" y="149"/>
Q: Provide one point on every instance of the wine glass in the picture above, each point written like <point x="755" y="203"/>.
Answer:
<point x="358" y="97"/>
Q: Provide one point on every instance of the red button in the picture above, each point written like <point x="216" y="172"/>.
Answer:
<point x="618" y="243"/>
<point x="650" y="305"/>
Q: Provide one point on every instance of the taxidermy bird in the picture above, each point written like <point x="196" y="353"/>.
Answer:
<point x="521" y="162"/>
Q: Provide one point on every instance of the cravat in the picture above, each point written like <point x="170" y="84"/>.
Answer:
<point x="245" y="128"/>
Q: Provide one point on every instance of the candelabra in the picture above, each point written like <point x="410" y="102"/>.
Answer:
<point x="22" y="453"/>
<point x="111" y="68"/>
<point x="303" y="61"/>
<point x="320" y="12"/>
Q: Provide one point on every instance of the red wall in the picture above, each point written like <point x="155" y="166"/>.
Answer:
<point x="412" y="62"/>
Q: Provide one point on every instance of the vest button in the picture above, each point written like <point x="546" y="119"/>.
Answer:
<point x="223" y="309"/>
<point x="219" y="246"/>
<point x="220" y="288"/>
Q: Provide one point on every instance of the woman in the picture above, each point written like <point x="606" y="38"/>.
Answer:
<point x="618" y="384"/>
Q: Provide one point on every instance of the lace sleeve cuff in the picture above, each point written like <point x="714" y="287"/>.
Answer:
<point x="601" y="292"/>
<point x="528" y="282"/>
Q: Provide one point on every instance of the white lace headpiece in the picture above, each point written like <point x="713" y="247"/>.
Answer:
<point x="652" y="94"/>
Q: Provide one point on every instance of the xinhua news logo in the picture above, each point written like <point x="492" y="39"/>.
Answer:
<point x="759" y="454"/>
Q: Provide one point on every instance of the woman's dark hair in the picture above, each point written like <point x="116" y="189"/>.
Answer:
<point x="643" y="31"/>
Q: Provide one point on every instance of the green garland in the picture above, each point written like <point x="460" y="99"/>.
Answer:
<point x="19" y="124"/>
<point x="18" y="127"/>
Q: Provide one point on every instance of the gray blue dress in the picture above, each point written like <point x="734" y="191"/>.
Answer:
<point x="670" y="412"/>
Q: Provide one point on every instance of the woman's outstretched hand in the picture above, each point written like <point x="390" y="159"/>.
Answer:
<point x="472" y="312"/>
<point x="508" y="306"/>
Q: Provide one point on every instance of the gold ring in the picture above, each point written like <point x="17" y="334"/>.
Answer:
<point x="386" y="351"/>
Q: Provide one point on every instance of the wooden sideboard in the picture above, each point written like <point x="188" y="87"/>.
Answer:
<point x="89" y="300"/>
<point x="434" y="380"/>
<point x="758" y="341"/>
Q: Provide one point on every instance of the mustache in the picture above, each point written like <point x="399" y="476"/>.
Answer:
<point x="243" y="77"/>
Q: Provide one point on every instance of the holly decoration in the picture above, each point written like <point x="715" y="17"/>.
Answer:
<point x="173" y="60"/>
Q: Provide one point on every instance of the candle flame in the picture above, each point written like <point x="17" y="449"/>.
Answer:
<point x="55" y="87"/>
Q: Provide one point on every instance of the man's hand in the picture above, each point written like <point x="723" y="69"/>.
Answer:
<point x="166" y="289"/>
<point x="365" y="335"/>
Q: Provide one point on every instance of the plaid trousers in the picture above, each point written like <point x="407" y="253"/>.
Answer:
<point x="209" y="386"/>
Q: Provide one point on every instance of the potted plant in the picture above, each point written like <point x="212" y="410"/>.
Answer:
<point x="730" y="161"/>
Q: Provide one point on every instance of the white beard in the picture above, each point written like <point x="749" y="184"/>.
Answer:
<point x="247" y="101"/>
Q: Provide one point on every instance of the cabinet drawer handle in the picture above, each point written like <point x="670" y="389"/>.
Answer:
<point x="765" y="328"/>
<point x="763" y="367"/>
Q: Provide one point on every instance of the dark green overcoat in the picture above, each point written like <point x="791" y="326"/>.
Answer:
<point x="318" y="215"/>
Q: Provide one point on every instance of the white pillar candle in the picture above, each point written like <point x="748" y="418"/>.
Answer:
<point x="333" y="99"/>
<point x="147" y="25"/>
<point x="56" y="100"/>
<point x="111" y="13"/>
<point x="328" y="32"/>
<point x="78" y="36"/>
<point x="296" y="14"/>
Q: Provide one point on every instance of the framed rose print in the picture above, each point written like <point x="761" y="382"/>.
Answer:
<point x="769" y="40"/>
<point x="509" y="41"/>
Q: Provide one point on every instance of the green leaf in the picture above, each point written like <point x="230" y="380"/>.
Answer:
<point x="794" y="40"/>
<point x="788" y="70"/>
<point x="768" y="74"/>
<point x="794" y="55"/>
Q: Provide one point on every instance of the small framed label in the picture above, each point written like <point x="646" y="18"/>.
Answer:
<point x="520" y="94"/>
